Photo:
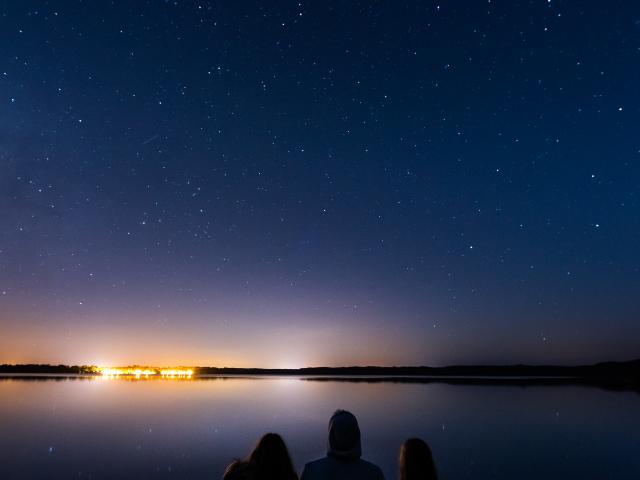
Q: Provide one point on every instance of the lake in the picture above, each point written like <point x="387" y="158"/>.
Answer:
<point x="162" y="428"/>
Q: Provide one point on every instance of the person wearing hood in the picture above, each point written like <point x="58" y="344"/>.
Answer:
<point x="343" y="454"/>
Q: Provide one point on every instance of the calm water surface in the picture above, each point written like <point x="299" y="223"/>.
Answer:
<point x="99" y="428"/>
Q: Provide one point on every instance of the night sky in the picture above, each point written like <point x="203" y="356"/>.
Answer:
<point x="331" y="183"/>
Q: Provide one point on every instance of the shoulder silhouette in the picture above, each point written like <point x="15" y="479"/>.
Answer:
<point x="343" y="454"/>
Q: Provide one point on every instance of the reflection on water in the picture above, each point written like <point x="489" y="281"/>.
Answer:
<point x="93" y="427"/>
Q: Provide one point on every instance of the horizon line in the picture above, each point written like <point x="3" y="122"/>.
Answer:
<point x="160" y="366"/>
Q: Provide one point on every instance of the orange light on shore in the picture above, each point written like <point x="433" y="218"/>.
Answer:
<point x="146" y="372"/>
<point x="176" y="373"/>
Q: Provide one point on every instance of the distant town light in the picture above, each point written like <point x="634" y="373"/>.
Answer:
<point x="139" y="372"/>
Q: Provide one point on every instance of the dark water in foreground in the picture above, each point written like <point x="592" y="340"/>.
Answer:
<point x="98" y="428"/>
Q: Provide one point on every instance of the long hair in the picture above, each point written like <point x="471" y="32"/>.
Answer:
<point x="416" y="461"/>
<point x="270" y="459"/>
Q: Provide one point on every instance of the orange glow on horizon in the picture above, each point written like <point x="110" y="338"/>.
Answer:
<point x="176" y="373"/>
<point x="146" y="372"/>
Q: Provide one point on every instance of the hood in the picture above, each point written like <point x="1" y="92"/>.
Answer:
<point x="344" y="436"/>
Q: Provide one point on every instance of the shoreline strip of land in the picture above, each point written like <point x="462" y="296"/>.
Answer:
<point x="622" y="375"/>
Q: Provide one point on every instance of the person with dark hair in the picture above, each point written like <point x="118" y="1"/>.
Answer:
<point x="416" y="461"/>
<point x="343" y="460"/>
<point x="269" y="460"/>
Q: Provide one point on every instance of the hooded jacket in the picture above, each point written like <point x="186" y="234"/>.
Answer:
<point x="343" y="454"/>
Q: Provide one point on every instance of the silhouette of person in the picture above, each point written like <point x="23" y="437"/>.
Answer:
<point x="343" y="460"/>
<point x="416" y="461"/>
<point x="269" y="460"/>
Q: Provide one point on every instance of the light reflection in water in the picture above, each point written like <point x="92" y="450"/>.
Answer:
<point x="167" y="428"/>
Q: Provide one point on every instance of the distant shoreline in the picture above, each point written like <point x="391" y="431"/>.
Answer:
<point x="622" y="375"/>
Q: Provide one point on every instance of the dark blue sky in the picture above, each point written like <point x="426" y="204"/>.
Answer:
<point x="294" y="184"/>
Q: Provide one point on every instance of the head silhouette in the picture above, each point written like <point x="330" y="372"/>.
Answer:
<point x="416" y="461"/>
<point x="344" y="436"/>
<point x="270" y="459"/>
